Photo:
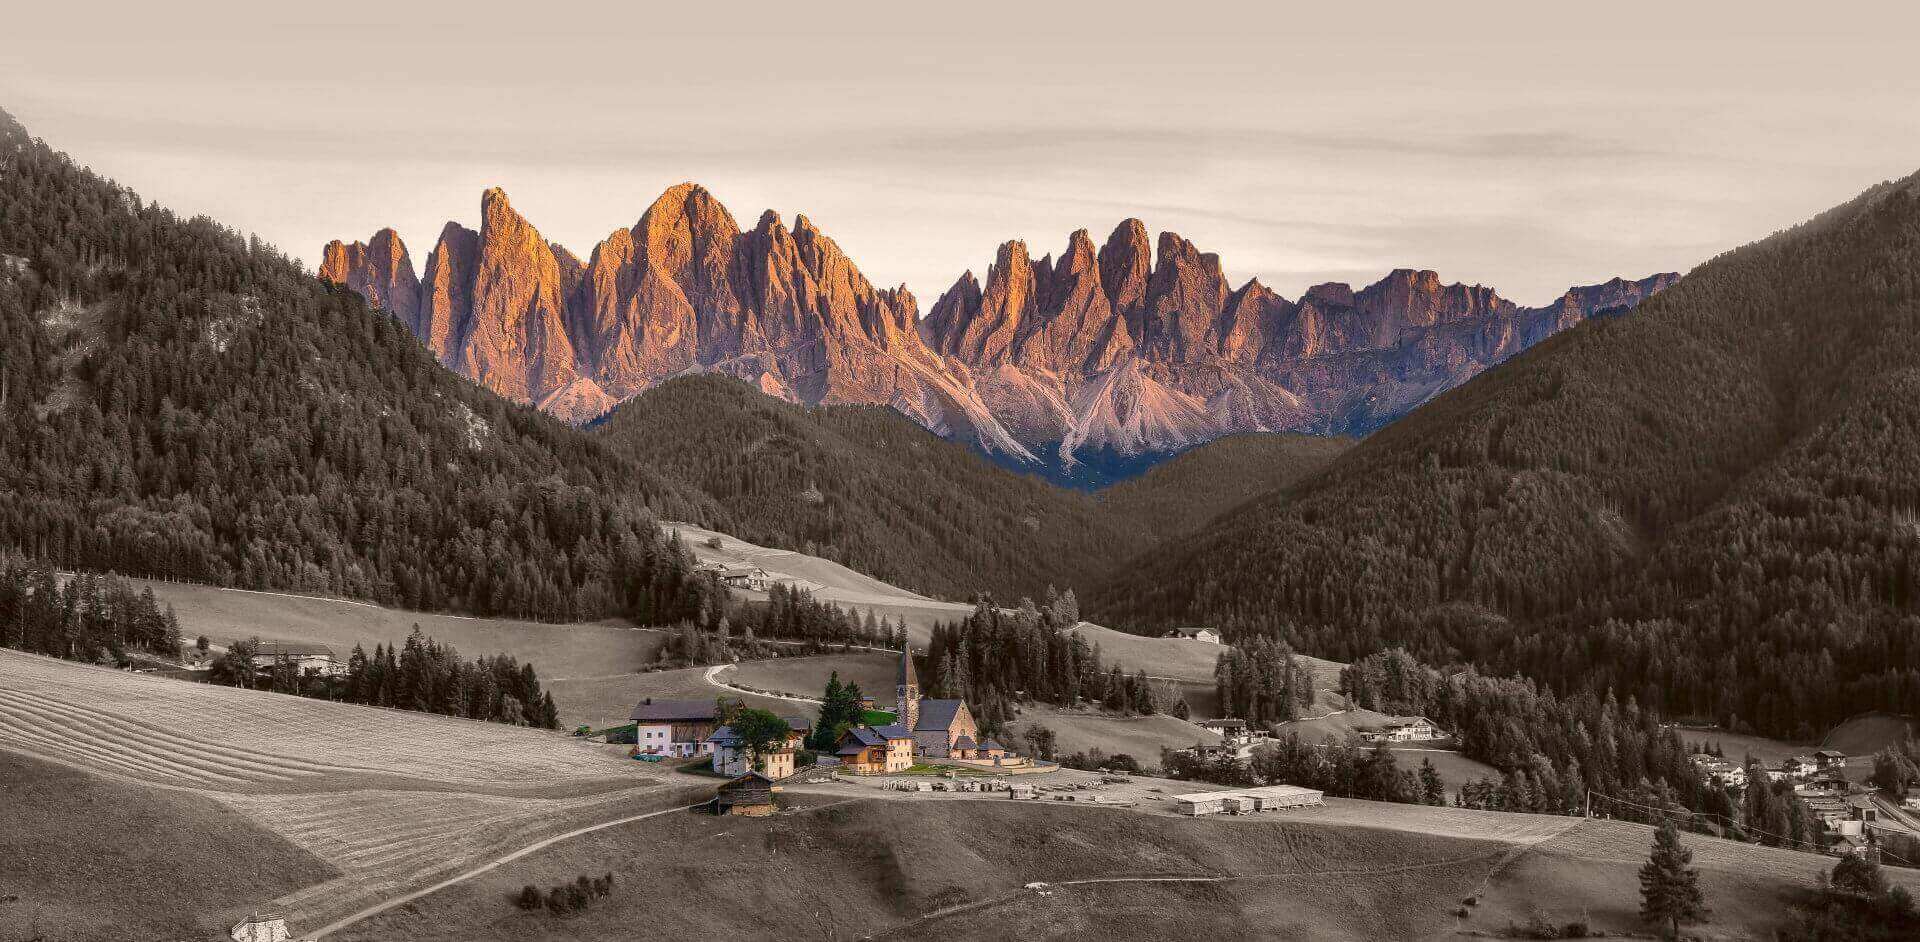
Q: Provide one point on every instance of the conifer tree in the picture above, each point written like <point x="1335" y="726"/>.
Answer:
<point x="1669" y="885"/>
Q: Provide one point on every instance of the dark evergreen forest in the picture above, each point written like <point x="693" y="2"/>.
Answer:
<point x="866" y="487"/>
<point x="1711" y="506"/>
<point x="179" y="401"/>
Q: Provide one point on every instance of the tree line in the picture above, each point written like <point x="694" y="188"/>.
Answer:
<point x="420" y="674"/>
<point x="99" y="619"/>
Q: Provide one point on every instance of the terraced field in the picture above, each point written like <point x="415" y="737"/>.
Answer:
<point x="390" y="799"/>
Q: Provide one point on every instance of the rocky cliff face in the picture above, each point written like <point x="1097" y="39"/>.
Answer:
<point x="1115" y="354"/>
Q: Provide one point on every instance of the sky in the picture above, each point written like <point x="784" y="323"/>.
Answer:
<point x="1527" y="146"/>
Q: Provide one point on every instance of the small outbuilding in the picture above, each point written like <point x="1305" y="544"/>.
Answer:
<point x="750" y="794"/>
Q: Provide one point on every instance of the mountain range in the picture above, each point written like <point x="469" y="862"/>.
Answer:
<point x="1081" y="367"/>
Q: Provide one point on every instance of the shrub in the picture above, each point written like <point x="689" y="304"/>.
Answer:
<point x="530" y="898"/>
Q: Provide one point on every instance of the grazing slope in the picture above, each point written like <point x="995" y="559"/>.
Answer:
<point x="179" y="401"/>
<point x="90" y="858"/>
<point x="1710" y="505"/>
<point x="388" y="799"/>
<point x="1181" y="495"/>
<point x="938" y="868"/>
<point x="864" y="487"/>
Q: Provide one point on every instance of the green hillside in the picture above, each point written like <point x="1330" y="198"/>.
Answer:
<point x="1180" y="495"/>
<point x="179" y="401"/>
<point x="1710" y="505"/>
<point x="866" y="487"/>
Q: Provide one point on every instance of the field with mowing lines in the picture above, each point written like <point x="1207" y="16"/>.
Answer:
<point x="388" y="799"/>
<point x="572" y="650"/>
<point x="239" y="740"/>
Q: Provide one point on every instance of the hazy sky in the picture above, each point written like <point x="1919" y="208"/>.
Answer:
<point x="1522" y="145"/>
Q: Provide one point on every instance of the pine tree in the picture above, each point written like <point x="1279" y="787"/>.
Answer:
<point x="1669" y="886"/>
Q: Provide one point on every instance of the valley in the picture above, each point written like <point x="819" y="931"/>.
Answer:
<point x="697" y="585"/>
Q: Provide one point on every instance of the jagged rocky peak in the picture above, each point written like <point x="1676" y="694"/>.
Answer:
<point x="379" y="269"/>
<point x="1136" y="346"/>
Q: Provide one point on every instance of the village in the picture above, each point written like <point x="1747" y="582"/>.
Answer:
<point x="937" y="737"/>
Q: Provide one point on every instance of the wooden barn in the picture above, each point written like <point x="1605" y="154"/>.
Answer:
<point x="750" y="794"/>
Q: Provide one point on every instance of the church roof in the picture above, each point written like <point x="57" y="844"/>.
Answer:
<point x="965" y="742"/>
<point x="907" y="675"/>
<point x="939" y="714"/>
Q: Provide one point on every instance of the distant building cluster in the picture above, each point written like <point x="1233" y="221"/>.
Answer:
<point x="1207" y="635"/>
<point x="738" y="577"/>
<point x="312" y="660"/>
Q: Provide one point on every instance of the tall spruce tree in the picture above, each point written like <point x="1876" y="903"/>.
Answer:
<point x="1669" y="885"/>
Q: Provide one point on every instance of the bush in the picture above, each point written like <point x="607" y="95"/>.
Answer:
<point x="530" y="898"/>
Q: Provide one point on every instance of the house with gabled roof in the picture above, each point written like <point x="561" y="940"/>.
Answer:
<point x="866" y="750"/>
<point x="731" y="757"/>
<point x="309" y="659"/>
<point x="673" y="727"/>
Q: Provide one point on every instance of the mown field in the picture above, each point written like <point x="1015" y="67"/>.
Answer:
<point x="385" y="798"/>
<point x="843" y="864"/>
<point x="574" y="650"/>
<point x="1141" y="737"/>
<point x="877" y="867"/>
<point x="94" y="858"/>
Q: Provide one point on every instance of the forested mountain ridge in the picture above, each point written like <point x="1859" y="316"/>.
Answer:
<point x="1180" y="495"/>
<point x="866" y="487"/>
<point x="1709" y="505"/>
<point x="179" y="401"/>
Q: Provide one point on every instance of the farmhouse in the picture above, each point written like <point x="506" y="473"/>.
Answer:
<point x="731" y="757"/>
<point x="750" y="795"/>
<point x="1418" y="729"/>
<point x="865" y="750"/>
<point x="1799" y="766"/>
<point x="938" y="726"/>
<point x="746" y="577"/>
<point x="313" y="660"/>
<point x="1268" y="798"/>
<point x="1207" y="635"/>
<point x="1829" y="759"/>
<point x="1719" y="771"/>
<point x="673" y="727"/>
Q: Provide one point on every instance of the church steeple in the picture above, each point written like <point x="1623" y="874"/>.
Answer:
<point x="907" y="690"/>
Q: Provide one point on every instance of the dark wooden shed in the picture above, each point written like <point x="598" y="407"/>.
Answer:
<point x="750" y="794"/>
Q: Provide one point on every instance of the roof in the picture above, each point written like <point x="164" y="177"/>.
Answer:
<point x="895" y="731"/>
<point x="862" y="737"/>
<point x="993" y="744"/>
<point x="1190" y="631"/>
<point x="1830" y="754"/>
<point x="751" y="780"/>
<point x="939" y="714"/>
<point x="906" y="676"/>
<point x="1223" y="724"/>
<point x="666" y="711"/>
<point x="290" y="649"/>
<point x="723" y="734"/>
<point x="798" y="724"/>
<point x="1265" y="791"/>
<point x="965" y="742"/>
